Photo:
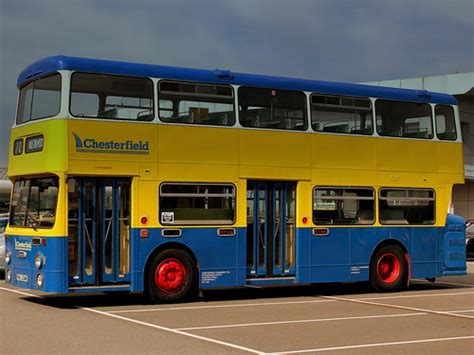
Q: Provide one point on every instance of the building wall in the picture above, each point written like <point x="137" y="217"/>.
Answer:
<point x="463" y="195"/>
<point x="463" y="200"/>
<point x="466" y="111"/>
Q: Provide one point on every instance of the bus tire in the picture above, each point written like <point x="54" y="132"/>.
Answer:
<point x="389" y="269"/>
<point x="170" y="277"/>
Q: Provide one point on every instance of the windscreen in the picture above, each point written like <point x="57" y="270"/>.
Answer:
<point x="34" y="203"/>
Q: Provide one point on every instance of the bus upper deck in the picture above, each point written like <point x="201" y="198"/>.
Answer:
<point x="87" y="90"/>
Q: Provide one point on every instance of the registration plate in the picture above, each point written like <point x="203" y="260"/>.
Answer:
<point x="22" y="278"/>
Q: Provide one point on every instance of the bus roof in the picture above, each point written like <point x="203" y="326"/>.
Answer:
<point x="51" y="64"/>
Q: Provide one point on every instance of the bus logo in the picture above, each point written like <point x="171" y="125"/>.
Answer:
<point x="19" y="245"/>
<point x="91" y="145"/>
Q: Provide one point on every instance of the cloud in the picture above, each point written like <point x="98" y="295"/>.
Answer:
<point x="340" y="40"/>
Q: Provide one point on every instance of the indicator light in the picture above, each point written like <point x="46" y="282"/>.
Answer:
<point x="39" y="280"/>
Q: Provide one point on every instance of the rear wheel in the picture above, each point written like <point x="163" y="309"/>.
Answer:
<point x="389" y="269"/>
<point x="171" y="276"/>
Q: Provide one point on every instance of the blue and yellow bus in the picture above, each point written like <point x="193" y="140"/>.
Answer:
<point x="164" y="180"/>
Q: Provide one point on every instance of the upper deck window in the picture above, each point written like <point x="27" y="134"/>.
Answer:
<point x="445" y="123"/>
<point x="403" y="119"/>
<point x="351" y="115"/>
<point x="273" y="109"/>
<point x="200" y="104"/>
<point x="111" y="97"/>
<point x="39" y="99"/>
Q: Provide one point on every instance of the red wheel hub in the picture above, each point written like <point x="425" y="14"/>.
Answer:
<point x="388" y="268"/>
<point x="170" y="275"/>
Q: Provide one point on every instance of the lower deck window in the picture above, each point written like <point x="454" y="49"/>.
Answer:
<point x="34" y="203"/>
<point x="183" y="203"/>
<point x="343" y="205"/>
<point x="406" y="206"/>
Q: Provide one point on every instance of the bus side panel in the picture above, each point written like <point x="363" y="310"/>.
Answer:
<point x="363" y="242"/>
<point x="303" y="255"/>
<point x="330" y="256"/>
<point x="221" y="260"/>
<point x="424" y="255"/>
<point x="421" y="243"/>
<point x="344" y="255"/>
<point x="218" y="257"/>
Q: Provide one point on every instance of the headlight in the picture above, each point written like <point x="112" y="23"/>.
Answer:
<point x="38" y="261"/>
<point x="8" y="257"/>
<point x="9" y="275"/>
<point x="39" y="280"/>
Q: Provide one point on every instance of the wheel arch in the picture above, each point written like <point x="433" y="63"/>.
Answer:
<point x="168" y="246"/>
<point x="395" y="242"/>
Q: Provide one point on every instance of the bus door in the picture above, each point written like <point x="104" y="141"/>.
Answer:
<point x="99" y="230"/>
<point x="271" y="229"/>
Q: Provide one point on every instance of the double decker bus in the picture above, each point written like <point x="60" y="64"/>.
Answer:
<point x="164" y="180"/>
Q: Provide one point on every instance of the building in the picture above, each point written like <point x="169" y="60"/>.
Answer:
<point x="461" y="86"/>
<point x="5" y="188"/>
<point x="3" y="174"/>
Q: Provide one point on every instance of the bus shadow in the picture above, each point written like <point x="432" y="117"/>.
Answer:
<point x="100" y="300"/>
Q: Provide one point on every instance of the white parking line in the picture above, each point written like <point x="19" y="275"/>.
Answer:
<point x="230" y="345"/>
<point x="223" y="343"/>
<point x="374" y="345"/>
<point x="424" y="295"/>
<point x="20" y="292"/>
<point x="302" y="321"/>
<point x="442" y="283"/>
<point x="415" y="309"/>
<point x="181" y="331"/>
<point x="445" y="294"/>
<point x="217" y="306"/>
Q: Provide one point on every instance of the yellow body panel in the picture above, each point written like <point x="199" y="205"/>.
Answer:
<point x="274" y="149"/>
<point x="163" y="153"/>
<point x="340" y="152"/>
<point x="407" y="155"/>
<point x="205" y="145"/>
<point x="53" y="157"/>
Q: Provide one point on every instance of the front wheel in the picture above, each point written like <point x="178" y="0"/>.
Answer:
<point x="389" y="269"/>
<point x="171" y="276"/>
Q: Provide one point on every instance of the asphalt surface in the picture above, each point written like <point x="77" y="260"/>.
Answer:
<point x="428" y="318"/>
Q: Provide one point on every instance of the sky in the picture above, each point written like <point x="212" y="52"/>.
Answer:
<point x="336" y="40"/>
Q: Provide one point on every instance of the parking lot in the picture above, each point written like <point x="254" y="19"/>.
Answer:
<point x="434" y="318"/>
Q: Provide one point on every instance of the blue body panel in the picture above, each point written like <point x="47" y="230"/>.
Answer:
<point x="342" y="256"/>
<point x="52" y="64"/>
<point x="221" y="260"/>
<point x="54" y="268"/>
